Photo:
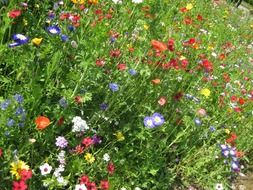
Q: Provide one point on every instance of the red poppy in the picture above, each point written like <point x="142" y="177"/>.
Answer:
<point x="115" y="53"/>
<point x="91" y="186"/>
<point x="188" y="21"/>
<point x="104" y="184"/>
<point x="160" y="46"/>
<point x="110" y="168"/>
<point x="199" y="17"/>
<point x="171" y="45"/>
<point x="1" y="152"/>
<point x="178" y="96"/>
<point x="60" y="121"/>
<point x="42" y="122"/>
<point x="241" y="101"/>
<point x="121" y="66"/>
<point x="14" y="13"/>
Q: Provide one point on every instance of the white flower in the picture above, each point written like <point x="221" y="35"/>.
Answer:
<point x="137" y="1"/>
<point x="218" y="186"/>
<point x="62" y="181"/>
<point x="80" y="187"/>
<point x="106" y="157"/>
<point x="117" y="1"/>
<point x="80" y="125"/>
<point x="45" y="169"/>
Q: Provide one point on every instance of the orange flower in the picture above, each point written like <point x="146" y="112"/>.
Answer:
<point x="156" y="81"/>
<point x="160" y="46"/>
<point x="42" y="122"/>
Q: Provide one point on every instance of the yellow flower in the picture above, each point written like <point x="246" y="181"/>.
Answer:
<point x="89" y="158"/>
<point x="227" y="131"/>
<point x="25" y="22"/>
<point x="189" y="6"/>
<point x="182" y="58"/>
<point x="17" y="166"/>
<point x="119" y="136"/>
<point x="78" y="1"/>
<point x="206" y="92"/>
<point x="145" y="26"/>
<point x="93" y="2"/>
<point x="37" y="41"/>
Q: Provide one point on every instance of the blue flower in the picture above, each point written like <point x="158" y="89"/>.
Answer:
<point x="5" y="104"/>
<point x="71" y="28"/>
<point x="112" y="39"/>
<point x="149" y="122"/>
<point x="54" y="29"/>
<point x="63" y="102"/>
<point x="235" y="167"/>
<point x="19" y="111"/>
<point x="158" y="119"/>
<point x="103" y="106"/>
<point x="132" y="72"/>
<point x="10" y="122"/>
<point x="212" y="129"/>
<point x="19" y="98"/>
<point x="19" y="39"/>
<point x="114" y="87"/>
<point x="64" y="38"/>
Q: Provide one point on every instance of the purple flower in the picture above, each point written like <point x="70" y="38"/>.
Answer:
<point x="96" y="139"/>
<point x="64" y="38"/>
<point x="63" y="102"/>
<point x="103" y="106"/>
<point x="19" y="98"/>
<point x="158" y="119"/>
<point x="132" y="72"/>
<point x="54" y="29"/>
<point x="149" y="122"/>
<point x="197" y="121"/>
<point x="114" y="87"/>
<point x="5" y="104"/>
<point x="19" y="111"/>
<point x="20" y="38"/>
<point x="61" y="142"/>
<point x="235" y="167"/>
<point x="10" y="122"/>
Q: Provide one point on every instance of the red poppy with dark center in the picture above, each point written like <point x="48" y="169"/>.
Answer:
<point x="42" y="122"/>
<point x="14" y="13"/>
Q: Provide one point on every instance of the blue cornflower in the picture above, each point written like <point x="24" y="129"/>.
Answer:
<point x="212" y="129"/>
<point x="132" y="72"/>
<point x="63" y="102"/>
<point x="19" y="111"/>
<point x="10" y="122"/>
<point x="114" y="87"/>
<point x="158" y="119"/>
<point x="103" y="106"/>
<point x="235" y="166"/>
<point x="71" y="28"/>
<point x="19" y="98"/>
<point x="54" y="29"/>
<point x="149" y="122"/>
<point x="64" y="38"/>
<point x="112" y="39"/>
<point x="5" y="104"/>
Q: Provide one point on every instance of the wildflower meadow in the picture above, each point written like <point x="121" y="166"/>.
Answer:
<point x="124" y="94"/>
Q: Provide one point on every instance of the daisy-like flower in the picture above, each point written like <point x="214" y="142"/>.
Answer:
<point x="18" y="166"/>
<point x="218" y="186"/>
<point x="89" y="158"/>
<point x="158" y="119"/>
<point x="148" y="122"/>
<point x="80" y="187"/>
<point x="54" y="29"/>
<point x="45" y="169"/>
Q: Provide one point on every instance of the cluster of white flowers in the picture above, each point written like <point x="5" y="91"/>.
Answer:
<point x="120" y="1"/>
<point x="61" y="168"/>
<point x="80" y="187"/>
<point x="106" y="157"/>
<point x="80" y="125"/>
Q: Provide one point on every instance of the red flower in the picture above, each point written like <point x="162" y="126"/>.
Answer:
<point x="84" y="180"/>
<point x="115" y="53"/>
<point x="188" y="20"/>
<point x="239" y="154"/>
<point x="19" y="185"/>
<point x="91" y="186"/>
<point x="199" y="17"/>
<point x="233" y="99"/>
<point x="110" y="168"/>
<point x="241" y="101"/>
<point x="78" y="99"/>
<point x="42" y="122"/>
<point x="87" y="142"/>
<point x="1" y="152"/>
<point x="160" y="46"/>
<point x="183" y="9"/>
<point x="162" y="101"/>
<point x="100" y="62"/>
<point x="178" y="96"/>
<point x="121" y="67"/>
<point x="79" y="149"/>
<point x="104" y="184"/>
<point x="14" y="13"/>
<point x="171" y="44"/>
<point x="25" y="174"/>
<point x="60" y="121"/>
<point x="208" y="66"/>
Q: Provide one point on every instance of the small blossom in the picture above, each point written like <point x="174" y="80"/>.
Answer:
<point x="37" y="41"/>
<point x="114" y="87"/>
<point x="80" y="187"/>
<point x="45" y="169"/>
<point x="61" y="142"/>
<point x="54" y="30"/>
<point x="106" y="157"/>
<point x="89" y="158"/>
